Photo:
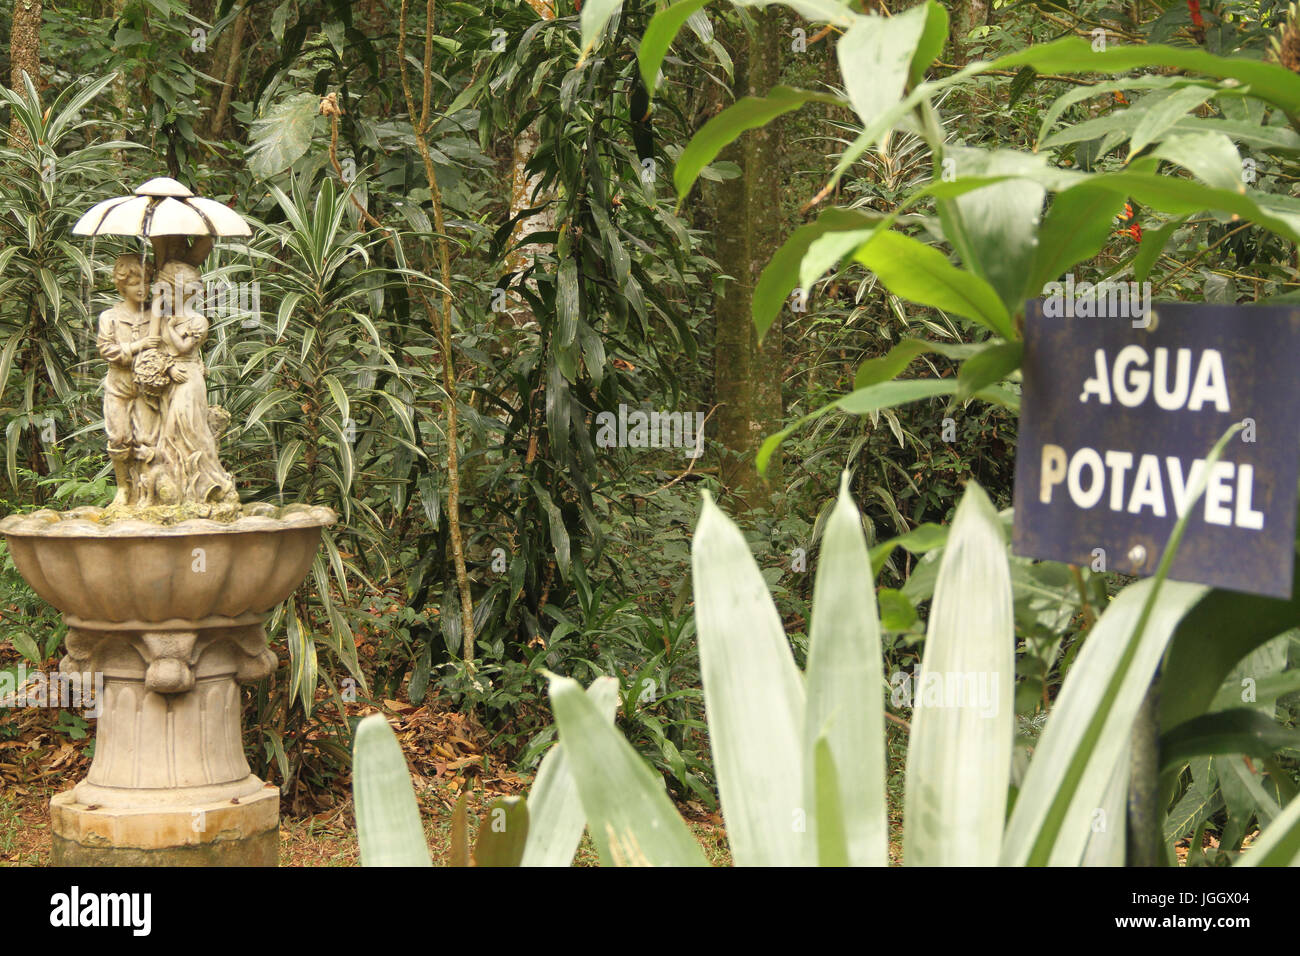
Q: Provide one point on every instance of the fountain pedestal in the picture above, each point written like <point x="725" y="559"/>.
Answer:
<point x="168" y="736"/>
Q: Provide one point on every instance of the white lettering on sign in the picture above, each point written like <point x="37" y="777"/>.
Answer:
<point x="1129" y="381"/>
<point x="1229" y="489"/>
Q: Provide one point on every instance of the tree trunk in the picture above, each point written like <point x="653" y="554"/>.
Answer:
<point x="229" y="55"/>
<point x="24" y="57"/>
<point x="747" y="379"/>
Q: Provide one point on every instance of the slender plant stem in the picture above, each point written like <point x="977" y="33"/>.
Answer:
<point x="442" y="322"/>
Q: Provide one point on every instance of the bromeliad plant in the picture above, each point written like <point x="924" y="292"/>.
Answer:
<point x="800" y="757"/>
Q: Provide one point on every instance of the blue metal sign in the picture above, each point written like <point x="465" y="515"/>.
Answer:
<point x="1117" y="418"/>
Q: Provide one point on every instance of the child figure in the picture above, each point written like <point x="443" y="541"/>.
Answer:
<point x="131" y="417"/>
<point x="192" y="470"/>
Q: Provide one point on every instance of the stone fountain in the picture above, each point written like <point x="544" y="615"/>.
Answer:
<point x="165" y="592"/>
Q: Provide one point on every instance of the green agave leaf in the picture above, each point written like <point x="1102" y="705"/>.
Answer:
<point x="1107" y="839"/>
<point x="1279" y="844"/>
<point x="503" y="834"/>
<point x="832" y="841"/>
<point x="754" y="699"/>
<point x="388" y="818"/>
<point x="1092" y="720"/>
<point x="959" y="750"/>
<point x="554" y="804"/>
<point x="631" y="820"/>
<point x="921" y="274"/>
<point x="845" y="706"/>
<point x="1089" y="727"/>
<point x="1239" y="730"/>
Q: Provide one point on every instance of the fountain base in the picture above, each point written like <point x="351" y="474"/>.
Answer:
<point x="225" y="833"/>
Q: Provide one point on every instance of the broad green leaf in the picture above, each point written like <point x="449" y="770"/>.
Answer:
<point x="875" y="58"/>
<point x="1166" y="111"/>
<point x="747" y="113"/>
<point x="1268" y="81"/>
<point x="659" y="34"/>
<point x="1210" y="157"/>
<point x="1201" y="800"/>
<point x="25" y="646"/>
<point x="554" y="807"/>
<point x="1282" y="138"/>
<point x="826" y="250"/>
<point x="631" y="820"/>
<point x="1264" y="691"/>
<point x="1239" y="730"/>
<point x="1077" y="227"/>
<point x="921" y="274"/>
<point x="503" y="833"/>
<point x="1262" y="805"/>
<point x="1223" y="628"/>
<point x="959" y="750"/>
<point x="388" y="818"/>
<point x="921" y="539"/>
<point x="892" y="363"/>
<point x="1106" y="88"/>
<point x="282" y="137"/>
<point x="932" y="41"/>
<point x="988" y="367"/>
<point x="842" y="683"/>
<point x="1180" y="197"/>
<point x="781" y="274"/>
<point x="994" y="230"/>
<point x="1153" y="243"/>
<point x="754" y="699"/>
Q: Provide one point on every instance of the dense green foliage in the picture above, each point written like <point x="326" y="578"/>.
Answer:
<point x="923" y="199"/>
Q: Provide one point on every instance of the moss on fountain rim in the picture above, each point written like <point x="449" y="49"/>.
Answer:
<point x="165" y="520"/>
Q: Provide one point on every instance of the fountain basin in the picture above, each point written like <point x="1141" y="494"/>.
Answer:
<point x="129" y="574"/>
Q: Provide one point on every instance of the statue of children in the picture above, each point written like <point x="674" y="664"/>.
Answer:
<point x="130" y="416"/>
